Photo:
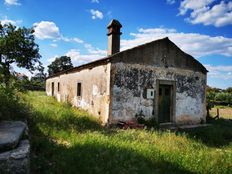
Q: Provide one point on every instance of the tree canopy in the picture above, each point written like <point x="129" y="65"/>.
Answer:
<point x="17" y="45"/>
<point x="60" y="64"/>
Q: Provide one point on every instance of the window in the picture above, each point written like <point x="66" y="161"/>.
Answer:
<point x="58" y="86"/>
<point x="152" y="93"/>
<point x="78" y="89"/>
<point x="52" y="88"/>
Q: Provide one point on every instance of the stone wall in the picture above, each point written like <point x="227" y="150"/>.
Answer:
<point x="95" y="92"/>
<point x="130" y="82"/>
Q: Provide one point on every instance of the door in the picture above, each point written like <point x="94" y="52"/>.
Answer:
<point x="165" y="103"/>
<point x="52" y="88"/>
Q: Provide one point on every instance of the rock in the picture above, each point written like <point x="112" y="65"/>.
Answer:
<point x="10" y="134"/>
<point x="16" y="160"/>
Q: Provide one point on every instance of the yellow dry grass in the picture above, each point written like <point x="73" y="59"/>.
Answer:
<point x="225" y="112"/>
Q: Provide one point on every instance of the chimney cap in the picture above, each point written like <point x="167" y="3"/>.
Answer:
<point x="114" y="22"/>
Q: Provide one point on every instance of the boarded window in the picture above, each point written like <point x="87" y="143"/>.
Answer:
<point x="58" y="86"/>
<point x="78" y="89"/>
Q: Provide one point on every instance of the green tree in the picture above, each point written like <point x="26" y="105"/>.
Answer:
<point x="60" y="64"/>
<point x="224" y="97"/>
<point x="229" y="90"/>
<point x="210" y="96"/>
<point x="17" y="45"/>
<point x="38" y="80"/>
<point x="214" y="90"/>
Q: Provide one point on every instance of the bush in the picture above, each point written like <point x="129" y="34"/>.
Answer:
<point x="10" y="106"/>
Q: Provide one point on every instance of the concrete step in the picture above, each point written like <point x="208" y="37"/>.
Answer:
<point x="192" y="126"/>
<point x="168" y="126"/>
<point x="174" y="127"/>
<point x="11" y="133"/>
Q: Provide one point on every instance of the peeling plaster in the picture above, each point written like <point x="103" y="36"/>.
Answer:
<point x="131" y="82"/>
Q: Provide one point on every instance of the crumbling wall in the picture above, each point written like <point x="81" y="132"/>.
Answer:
<point x="129" y="84"/>
<point x="95" y="91"/>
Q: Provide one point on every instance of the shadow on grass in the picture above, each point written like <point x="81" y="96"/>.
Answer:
<point x="92" y="157"/>
<point x="48" y="156"/>
<point x="68" y="123"/>
<point x="218" y="134"/>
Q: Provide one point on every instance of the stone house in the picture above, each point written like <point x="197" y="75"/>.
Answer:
<point x="156" y="79"/>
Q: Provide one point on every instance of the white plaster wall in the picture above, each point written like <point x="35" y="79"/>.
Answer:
<point x="127" y="102"/>
<point x="95" y="96"/>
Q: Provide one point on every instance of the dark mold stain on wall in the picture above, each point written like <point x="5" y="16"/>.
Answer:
<point x="192" y="85"/>
<point x="136" y="80"/>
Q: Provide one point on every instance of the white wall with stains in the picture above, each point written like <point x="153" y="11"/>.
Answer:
<point x="131" y="81"/>
<point x="95" y="92"/>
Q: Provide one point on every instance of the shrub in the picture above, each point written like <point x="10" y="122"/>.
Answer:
<point x="10" y="106"/>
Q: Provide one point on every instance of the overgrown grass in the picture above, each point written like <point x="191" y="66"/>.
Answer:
<point x="67" y="140"/>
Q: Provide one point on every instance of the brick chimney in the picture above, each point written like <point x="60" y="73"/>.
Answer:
<point x="113" y="37"/>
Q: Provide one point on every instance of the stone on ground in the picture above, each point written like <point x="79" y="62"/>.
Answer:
<point x="10" y="134"/>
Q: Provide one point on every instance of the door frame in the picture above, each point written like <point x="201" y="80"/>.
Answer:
<point x="171" y="83"/>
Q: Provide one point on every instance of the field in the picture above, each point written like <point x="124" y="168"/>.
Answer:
<point x="67" y="140"/>
<point x="224" y="112"/>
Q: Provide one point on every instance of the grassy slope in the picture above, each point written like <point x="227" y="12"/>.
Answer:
<point x="66" y="140"/>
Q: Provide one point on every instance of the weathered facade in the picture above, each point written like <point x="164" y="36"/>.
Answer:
<point x="156" y="79"/>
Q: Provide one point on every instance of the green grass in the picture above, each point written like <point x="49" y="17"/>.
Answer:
<point x="67" y="140"/>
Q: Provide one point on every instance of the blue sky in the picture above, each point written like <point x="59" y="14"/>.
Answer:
<point x="77" y="28"/>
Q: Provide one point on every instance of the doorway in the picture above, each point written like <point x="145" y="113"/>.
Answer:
<point x="52" y="88"/>
<point x="165" y="103"/>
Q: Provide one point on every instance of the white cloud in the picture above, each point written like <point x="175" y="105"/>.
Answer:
<point x="219" y="71"/>
<point x="50" y="60"/>
<point x="46" y="30"/>
<point x="12" y="2"/>
<point x="186" y="5"/>
<point x="193" y="43"/>
<point x="219" y="68"/>
<point x="79" y="59"/>
<point x="170" y="2"/>
<point x="54" y="45"/>
<point x="207" y="13"/>
<point x="93" y="50"/>
<point x="49" y="30"/>
<point x="9" y="21"/>
<point x="75" y="39"/>
<point x="95" y="1"/>
<point x="96" y="14"/>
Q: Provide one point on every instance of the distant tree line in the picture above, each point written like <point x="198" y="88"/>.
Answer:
<point x="219" y="96"/>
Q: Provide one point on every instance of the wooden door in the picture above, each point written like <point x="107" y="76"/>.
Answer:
<point x="165" y="97"/>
